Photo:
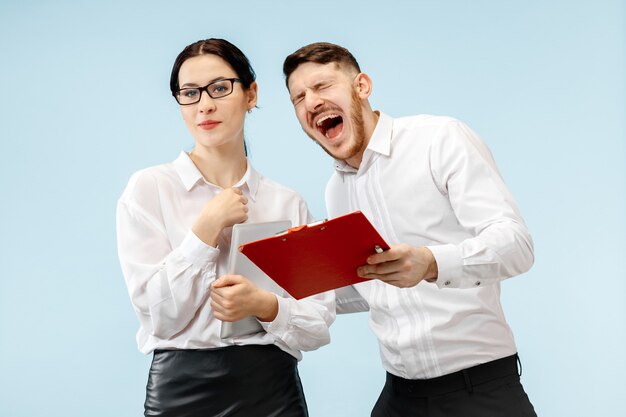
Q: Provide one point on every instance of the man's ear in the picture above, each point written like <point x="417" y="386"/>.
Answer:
<point x="363" y="85"/>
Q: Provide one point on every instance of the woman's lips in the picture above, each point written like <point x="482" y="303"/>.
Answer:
<point x="208" y="124"/>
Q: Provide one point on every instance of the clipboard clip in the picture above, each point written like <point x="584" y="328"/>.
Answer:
<point x="304" y="226"/>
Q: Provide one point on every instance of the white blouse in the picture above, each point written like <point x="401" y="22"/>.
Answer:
<point x="169" y="270"/>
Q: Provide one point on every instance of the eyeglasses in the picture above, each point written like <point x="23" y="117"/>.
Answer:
<point x="216" y="89"/>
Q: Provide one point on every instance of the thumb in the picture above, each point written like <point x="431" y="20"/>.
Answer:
<point x="226" y="281"/>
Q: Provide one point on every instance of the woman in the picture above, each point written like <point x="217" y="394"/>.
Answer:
<point x="174" y="223"/>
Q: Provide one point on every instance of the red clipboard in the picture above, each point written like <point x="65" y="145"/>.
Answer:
<point x="322" y="256"/>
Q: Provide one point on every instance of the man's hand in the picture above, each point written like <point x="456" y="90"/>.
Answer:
<point x="403" y="266"/>
<point x="234" y="297"/>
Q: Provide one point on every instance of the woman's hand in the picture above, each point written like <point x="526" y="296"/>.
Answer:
<point x="234" y="297"/>
<point x="226" y="209"/>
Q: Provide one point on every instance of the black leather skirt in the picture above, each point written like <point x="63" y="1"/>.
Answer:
<point x="246" y="381"/>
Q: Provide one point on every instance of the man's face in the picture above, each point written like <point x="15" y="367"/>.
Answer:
<point x="329" y="109"/>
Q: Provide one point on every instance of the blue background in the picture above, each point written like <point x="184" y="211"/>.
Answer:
<point x="85" y="102"/>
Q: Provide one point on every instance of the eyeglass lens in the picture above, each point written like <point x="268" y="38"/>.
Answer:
<point x="216" y="89"/>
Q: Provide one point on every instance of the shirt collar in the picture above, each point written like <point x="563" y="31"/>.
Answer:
<point x="187" y="170"/>
<point x="190" y="175"/>
<point x="380" y="143"/>
<point x="249" y="181"/>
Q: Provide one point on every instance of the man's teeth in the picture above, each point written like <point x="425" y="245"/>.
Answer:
<point x="328" y="116"/>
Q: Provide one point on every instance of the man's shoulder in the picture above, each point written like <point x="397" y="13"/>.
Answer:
<point x="423" y="120"/>
<point x="427" y="128"/>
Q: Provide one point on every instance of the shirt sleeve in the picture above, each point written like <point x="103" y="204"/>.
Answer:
<point x="303" y="324"/>
<point x="167" y="285"/>
<point x="501" y="246"/>
<point x="349" y="300"/>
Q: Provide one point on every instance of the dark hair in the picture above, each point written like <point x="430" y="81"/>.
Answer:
<point x="319" y="53"/>
<point x="222" y="48"/>
<point x="227" y="51"/>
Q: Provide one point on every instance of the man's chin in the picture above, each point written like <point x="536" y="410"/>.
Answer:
<point x="340" y="154"/>
<point x="334" y="152"/>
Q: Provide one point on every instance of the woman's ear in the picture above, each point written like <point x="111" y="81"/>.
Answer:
<point x="251" y="93"/>
<point x="363" y="85"/>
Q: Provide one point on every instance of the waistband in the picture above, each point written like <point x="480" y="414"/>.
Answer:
<point x="464" y="379"/>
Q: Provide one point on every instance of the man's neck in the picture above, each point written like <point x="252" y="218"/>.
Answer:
<point x="370" y="120"/>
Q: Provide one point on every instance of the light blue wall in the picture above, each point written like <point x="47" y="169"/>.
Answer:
<point x="85" y="103"/>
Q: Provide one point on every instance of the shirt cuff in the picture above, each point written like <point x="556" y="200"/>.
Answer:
<point x="449" y="265"/>
<point x="279" y="325"/>
<point x="196" y="251"/>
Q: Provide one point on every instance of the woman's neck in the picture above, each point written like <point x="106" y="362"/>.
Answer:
<point x="220" y="166"/>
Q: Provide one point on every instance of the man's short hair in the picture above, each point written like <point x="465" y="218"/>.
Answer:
<point x="319" y="53"/>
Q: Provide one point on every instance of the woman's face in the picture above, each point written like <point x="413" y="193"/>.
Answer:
<point x="215" y="122"/>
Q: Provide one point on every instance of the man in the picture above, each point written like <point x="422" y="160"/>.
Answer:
<point x="431" y="188"/>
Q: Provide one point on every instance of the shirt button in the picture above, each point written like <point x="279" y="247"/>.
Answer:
<point x="446" y="283"/>
<point x="477" y="283"/>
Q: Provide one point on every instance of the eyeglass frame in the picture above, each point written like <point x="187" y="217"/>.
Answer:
<point x="206" y="90"/>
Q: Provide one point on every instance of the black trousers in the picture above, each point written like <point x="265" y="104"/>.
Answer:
<point x="492" y="389"/>
<point x="260" y="381"/>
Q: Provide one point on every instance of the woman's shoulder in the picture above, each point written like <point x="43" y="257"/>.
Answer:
<point x="147" y="181"/>
<point x="268" y="185"/>
<point x="282" y="202"/>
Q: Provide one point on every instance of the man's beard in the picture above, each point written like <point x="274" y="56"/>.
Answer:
<point x="358" y="134"/>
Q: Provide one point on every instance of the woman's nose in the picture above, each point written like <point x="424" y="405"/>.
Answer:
<point x="206" y="103"/>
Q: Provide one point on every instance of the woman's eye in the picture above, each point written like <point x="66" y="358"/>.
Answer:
<point x="189" y="93"/>
<point x="219" y="89"/>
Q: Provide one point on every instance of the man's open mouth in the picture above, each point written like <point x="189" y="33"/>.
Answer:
<point x="330" y="125"/>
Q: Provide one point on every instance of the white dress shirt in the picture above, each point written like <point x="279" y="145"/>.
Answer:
<point x="169" y="270"/>
<point x="430" y="181"/>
